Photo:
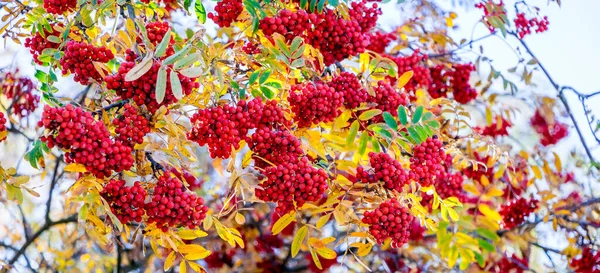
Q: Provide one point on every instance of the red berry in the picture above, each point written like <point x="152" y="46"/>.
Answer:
<point x="514" y="213"/>
<point x="390" y="220"/>
<point x="79" y="60"/>
<point x="127" y="203"/>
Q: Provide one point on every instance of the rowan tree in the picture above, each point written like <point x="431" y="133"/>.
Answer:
<point x="287" y="136"/>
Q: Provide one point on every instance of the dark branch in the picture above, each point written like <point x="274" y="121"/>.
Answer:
<point x="55" y="177"/>
<point x="37" y="234"/>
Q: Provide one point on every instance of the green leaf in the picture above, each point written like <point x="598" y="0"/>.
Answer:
<point x="175" y="85"/>
<point x="177" y="56"/>
<point x="267" y="92"/>
<point x="321" y="5"/>
<point x="402" y="116"/>
<point x="283" y="47"/>
<point x="362" y="143"/>
<point x="352" y="133"/>
<point x="369" y="114"/>
<point x="427" y="116"/>
<point x="421" y="132"/>
<point x="188" y="60"/>
<point x="383" y="132"/>
<point x="53" y="39"/>
<point x="298" y="239"/>
<point x="161" y="84"/>
<point x="275" y="85"/>
<point x="253" y="77"/>
<point x="299" y="52"/>
<point x="264" y="76"/>
<point x="415" y="136"/>
<point x="334" y="3"/>
<point x="303" y="3"/>
<point x="36" y="154"/>
<point x="141" y="68"/>
<point x="480" y="259"/>
<point x="433" y="123"/>
<point x="41" y="76"/>
<point x="390" y="121"/>
<point x="488" y="234"/>
<point x="296" y="44"/>
<point x="200" y="11"/>
<point x="417" y="115"/>
<point x="161" y="48"/>
<point x="375" y="144"/>
<point x="484" y="244"/>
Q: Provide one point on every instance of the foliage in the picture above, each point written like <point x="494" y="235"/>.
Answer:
<point x="298" y="138"/>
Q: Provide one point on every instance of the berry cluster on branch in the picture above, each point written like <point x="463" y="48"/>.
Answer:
<point x="127" y="203"/>
<point x="59" y="7"/>
<point x="426" y="164"/>
<point x="587" y="262"/>
<point x="511" y="264"/>
<point x="38" y="43"/>
<point x="79" y="60"/>
<point x="142" y="90"/>
<point x="2" y="127"/>
<point x="351" y="89"/>
<point x="130" y="126"/>
<point x="390" y="220"/>
<point x="514" y="213"/>
<point x="227" y="11"/>
<point x="22" y="91"/>
<point x="274" y="147"/>
<point x="384" y="168"/>
<point x="313" y="103"/>
<point x="550" y="132"/>
<point x="524" y="25"/>
<point x="87" y="140"/>
<point x="173" y="206"/>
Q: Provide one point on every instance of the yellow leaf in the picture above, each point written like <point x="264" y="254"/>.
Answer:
<point x="315" y="258"/>
<point x="326" y="253"/>
<point x="494" y="192"/>
<point x="488" y="212"/>
<point x="75" y="168"/>
<point x="298" y="239"/>
<point x="197" y="255"/>
<point x="453" y="215"/>
<point x="240" y="219"/>
<point x="500" y="171"/>
<point x="484" y="180"/>
<point x="470" y="188"/>
<point x="557" y="163"/>
<point x="359" y="234"/>
<point x="188" y="234"/>
<point x="403" y="80"/>
<point x="283" y="222"/>
<point x="364" y="249"/>
<point x="328" y="240"/>
<point x="323" y="220"/>
<point x="247" y="158"/>
<point x="536" y="171"/>
<point x="563" y="212"/>
<point x="169" y="261"/>
<point x="182" y="267"/>
<point x="369" y="114"/>
<point x="196" y="267"/>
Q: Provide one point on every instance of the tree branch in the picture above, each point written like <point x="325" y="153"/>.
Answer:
<point x="561" y="95"/>
<point x="52" y="185"/>
<point x="37" y="234"/>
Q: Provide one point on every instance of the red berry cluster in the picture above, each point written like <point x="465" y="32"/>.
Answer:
<point x="288" y="23"/>
<point x="274" y="147"/>
<point x="59" y="6"/>
<point x="491" y="9"/>
<point x="417" y="231"/>
<point x="447" y="185"/>
<point x="2" y="126"/>
<point x="38" y="43"/>
<point x="352" y="91"/>
<point x="79" y="59"/>
<point x="524" y="25"/>
<point x="365" y="16"/>
<point x="476" y="175"/>
<point x="426" y="162"/>
<point x="127" y="203"/>
<point x="219" y="259"/>
<point x="21" y="91"/>
<point x="549" y="133"/>
<point x="268" y="242"/>
<point x="156" y="32"/>
<point x="336" y="37"/>
<point x="272" y="116"/>
<point x="183" y="175"/>
<point x="87" y="140"/>
<point x="130" y="126"/>
<point x="514" y="213"/>
<point x="512" y="264"/>
<point x="417" y="64"/>
<point x="173" y="206"/>
<point x="227" y="11"/>
<point x="384" y="168"/>
<point x="388" y="99"/>
<point x="223" y="127"/>
<point x="495" y="129"/>
<point x="439" y="81"/>
<point x="313" y="103"/>
<point x="588" y="262"/>
<point x="459" y="81"/>
<point x="380" y="41"/>
<point x="291" y="184"/>
<point x="250" y="48"/>
<point x="390" y="220"/>
<point x="142" y="90"/>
